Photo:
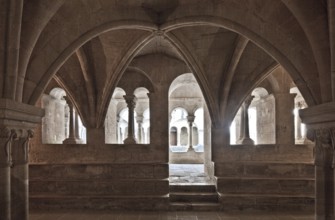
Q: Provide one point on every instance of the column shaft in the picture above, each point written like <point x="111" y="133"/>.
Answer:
<point x="131" y="102"/>
<point x="20" y="177"/>
<point x="190" y="120"/>
<point x="73" y="125"/>
<point x="244" y="133"/>
<point x="139" y="120"/>
<point x="5" y="163"/>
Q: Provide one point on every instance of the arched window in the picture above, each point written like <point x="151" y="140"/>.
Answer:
<point x="183" y="136"/>
<point x="173" y="136"/>
<point x="56" y="122"/>
<point x="178" y="120"/>
<point x="116" y="121"/>
<point x="261" y="119"/>
<point x="299" y="127"/>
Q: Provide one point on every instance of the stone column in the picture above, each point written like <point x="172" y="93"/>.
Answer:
<point x="76" y="133"/>
<point x="73" y="127"/>
<point x="178" y="136"/>
<point x="6" y="138"/>
<point x="284" y="118"/>
<point x="20" y="176"/>
<point x="118" y="132"/>
<point x="139" y="120"/>
<point x="298" y="127"/>
<point x="131" y="102"/>
<point x="190" y="120"/>
<point x="320" y="122"/>
<point x="244" y="133"/>
<point x="17" y="120"/>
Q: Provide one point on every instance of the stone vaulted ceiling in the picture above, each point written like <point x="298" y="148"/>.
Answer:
<point x="230" y="46"/>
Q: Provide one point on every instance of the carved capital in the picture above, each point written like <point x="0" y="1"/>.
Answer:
<point x="248" y="101"/>
<point x="131" y="101"/>
<point x="324" y="147"/>
<point x="7" y="136"/>
<point x="190" y="119"/>
<point x="30" y="134"/>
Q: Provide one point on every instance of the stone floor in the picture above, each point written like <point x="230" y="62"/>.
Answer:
<point x="188" y="174"/>
<point x="91" y="215"/>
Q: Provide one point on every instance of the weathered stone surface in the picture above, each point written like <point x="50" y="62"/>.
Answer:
<point x="89" y="48"/>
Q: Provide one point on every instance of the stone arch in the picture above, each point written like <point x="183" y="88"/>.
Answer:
<point x="72" y="47"/>
<point x="224" y="22"/>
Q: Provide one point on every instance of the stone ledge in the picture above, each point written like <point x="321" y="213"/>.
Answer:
<point x="320" y="114"/>
<point x="15" y="111"/>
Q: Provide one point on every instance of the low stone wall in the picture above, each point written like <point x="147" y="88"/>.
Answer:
<point x="99" y="177"/>
<point x="189" y="157"/>
<point x="266" y="177"/>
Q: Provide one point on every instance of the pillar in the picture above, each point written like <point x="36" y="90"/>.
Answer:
<point x="6" y="138"/>
<point x="20" y="176"/>
<point x="178" y="136"/>
<point x="139" y="120"/>
<point x="131" y="102"/>
<point x="190" y="120"/>
<point x="77" y="135"/>
<point x="14" y="143"/>
<point x="73" y="125"/>
<point x="320" y="122"/>
<point x="298" y="128"/>
<point x="118" y="131"/>
<point x="244" y="133"/>
<point x="284" y="118"/>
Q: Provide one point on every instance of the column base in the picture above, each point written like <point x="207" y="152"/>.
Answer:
<point x="246" y="141"/>
<point x="129" y="140"/>
<point x="73" y="141"/>
<point x="190" y="149"/>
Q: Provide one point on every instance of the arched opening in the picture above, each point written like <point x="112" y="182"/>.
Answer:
<point x="116" y="121"/>
<point x="115" y="125"/>
<point x="300" y="130"/>
<point x="188" y="161"/>
<point x="173" y="136"/>
<point x="58" y="121"/>
<point x="142" y="116"/>
<point x="261" y="119"/>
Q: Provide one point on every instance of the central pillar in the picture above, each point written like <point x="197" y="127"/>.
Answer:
<point x="244" y="132"/>
<point x="131" y="102"/>
<point x="190" y="120"/>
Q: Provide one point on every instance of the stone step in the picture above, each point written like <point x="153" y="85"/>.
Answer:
<point x="98" y="171"/>
<point x="192" y="188"/>
<point x="101" y="202"/>
<point x="265" y="168"/>
<point x="99" y="187"/>
<point x="193" y="197"/>
<point x="267" y="202"/>
<point x="266" y="185"/>
<point x="187" y="206"/>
